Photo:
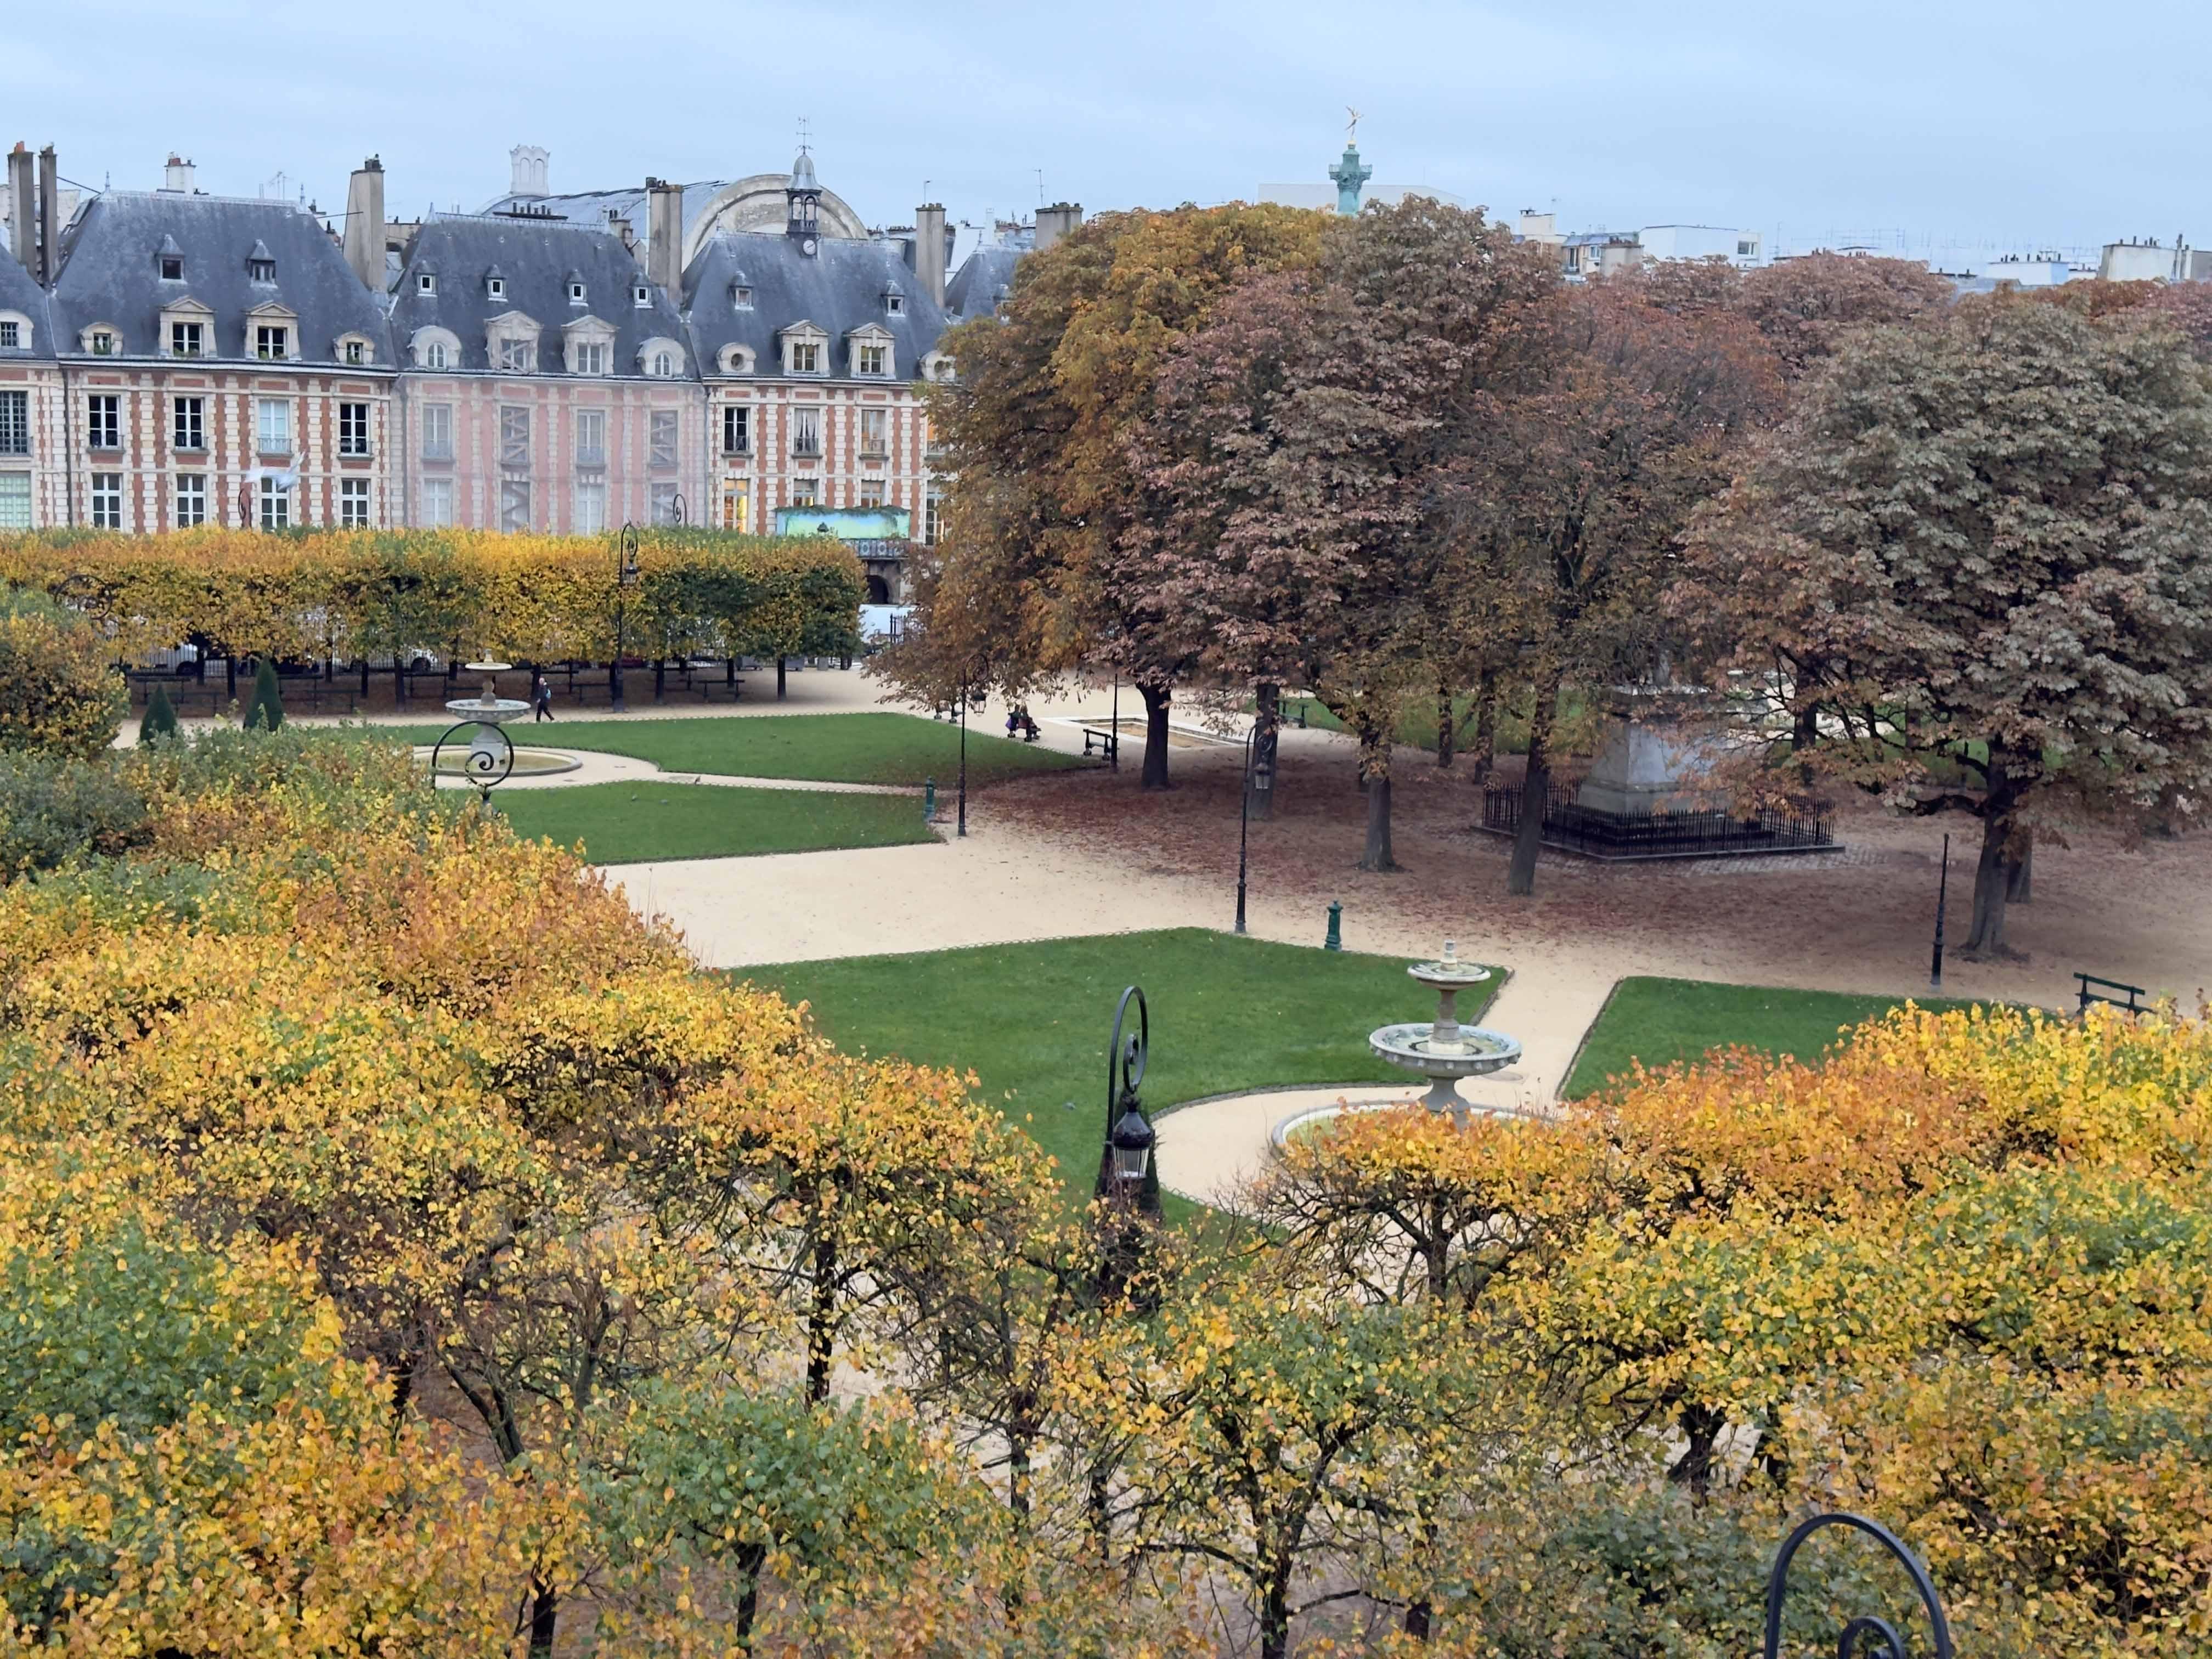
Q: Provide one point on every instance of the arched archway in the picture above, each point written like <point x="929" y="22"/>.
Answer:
<point x="879" y="590"/>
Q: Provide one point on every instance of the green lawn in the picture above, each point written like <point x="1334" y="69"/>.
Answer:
<point x="632" y="823"/>
<point x="1659" y="1021"/>
<point x="875" y="748"/>
<point x="1034" y="1021"/>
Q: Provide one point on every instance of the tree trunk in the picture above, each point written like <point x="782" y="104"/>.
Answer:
<point x="2022" y="889"/>
<point x="1268" y="714"/>
<point x="1156" y="733"/>
<point x="544" y="1618"/>
<point x="1702" y="1426"/>
<point x="1485" y="724"/>
<point x="1521" y="873"/>
<point x="1993" y="873"/>
<point x="1447" y="726"/>
<point x="821" y="1323"/>
<point x="1275" y="1614"/>
<point x="780" y="661"/>
<point x="751" y="1560"/>
<point x="1375" y="769"/>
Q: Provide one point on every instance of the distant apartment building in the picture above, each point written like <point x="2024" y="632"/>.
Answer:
<point x="2148" y="260"/>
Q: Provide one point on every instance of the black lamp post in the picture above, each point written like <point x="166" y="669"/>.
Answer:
<point x="1256" y="776"/>
<point x="1128" y="1176"/>
<point x="1876" y="1638"/>
<point x="626" y="578"/>
<point x="964" y="758"/>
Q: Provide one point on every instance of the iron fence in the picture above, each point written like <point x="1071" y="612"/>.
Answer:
<point x="1573" y="828"/>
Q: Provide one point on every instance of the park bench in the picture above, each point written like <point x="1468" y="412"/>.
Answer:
<point x="2129" y="1003"/>
<point x="1109" y="742"/>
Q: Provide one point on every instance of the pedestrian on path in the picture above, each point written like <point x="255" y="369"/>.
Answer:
<point x="541" y="697"/>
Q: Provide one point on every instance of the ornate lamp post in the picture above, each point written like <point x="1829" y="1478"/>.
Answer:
<point x="1126" y="1173"/>
<point x="626" y="577"/>
<point x="1259" y="776"/>
<point x="1877" y="1639"/>
<point x="491" y="752"/>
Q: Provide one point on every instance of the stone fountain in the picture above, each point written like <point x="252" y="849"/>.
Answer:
<point x="490" y="712"/>
<point x="1443" y="1050"/>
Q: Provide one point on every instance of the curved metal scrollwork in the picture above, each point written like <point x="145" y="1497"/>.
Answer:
<point x="483" y="767"/>
<point x="1867" y="1636"/>
<point x="1125" y="1060"/>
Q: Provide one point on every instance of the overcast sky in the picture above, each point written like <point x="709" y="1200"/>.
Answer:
<point x="2010" y="123"/>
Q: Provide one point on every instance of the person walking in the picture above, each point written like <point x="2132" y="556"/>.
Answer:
<point x="541" y="697"/>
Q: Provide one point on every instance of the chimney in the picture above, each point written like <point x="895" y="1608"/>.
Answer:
<point x="1055" y="221"/>
<point x="664" y="235"/>
<point x="22" y="197"/>
<point x="622" y="227"/>
<point x="527" y="167"/>
<point x="364" y="224"/>
<point x="930" y="252"/>
<point x="177" y="174"/>
<point x="50" y="231"/>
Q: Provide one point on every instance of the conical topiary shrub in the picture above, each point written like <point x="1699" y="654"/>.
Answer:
<point x="264" y="706"/>
<point x="160" y="720"/>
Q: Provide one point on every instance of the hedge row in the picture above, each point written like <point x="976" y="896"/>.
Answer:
<point x="366" y="595"/>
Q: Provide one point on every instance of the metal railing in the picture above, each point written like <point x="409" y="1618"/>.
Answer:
<point x="1572" y="827"/>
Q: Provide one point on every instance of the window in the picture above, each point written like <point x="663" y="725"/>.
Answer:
<point x="515" y="504"/>
<point x="736" y="504"/>
<point x="588" y="356"/>
<point x="1744" y="249"/>
<point x="805" y="357"/>
<point x="806" y="431"/>
<point x="736" y="429"/>
<point x="575" y="294"/>
<point x="590" y="437"/>
<point x="103" y="343"/>
<point x="14" y="423"/>
<point x="353" y="428"/>
<point x="872" y="360"/>
<point x="187" y="339"/>
<point x="591" y="507"/>
<point x="276" y="504"/>
<point x="353" y="503"/>
<point x="273" y="427"/>
<point x="871" y="492"/>
<point x="356" y="353"/>
<point x="894" y="301"/>
<point x="270" y="340"/>
<point x="103" y="422"/>
<point x="519" y="356"/>
<point x="434" y="354"/>
<point x="437" y="503"/>
<point x="173" y="268"/>
<point x="426" y="281"/>
<point x="802" y="491"/>
<point x="663" y="364"/>
<point x="932" y="516"/>
<point x="741" y="297"/>
<point x="192" y="499"/>
<point x="14" y="501"/>
<point x="513" y="435"/>
<point x="11" y="334"/>
<point x="873" y="422"/>
<point x="188" y="424"/>
<point x="641" y="295"/>
<point x="662" y="449"/>
<point x="437" y="432"/>
<point x="261" y="270"/>
<point x="495" y="288"/>
<point x="667" y="508"/>
<point x="107" y="501"/>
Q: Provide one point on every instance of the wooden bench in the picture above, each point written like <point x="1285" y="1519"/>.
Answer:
<point x="1109" y="742"/>
<point x="2128" y="1004"/>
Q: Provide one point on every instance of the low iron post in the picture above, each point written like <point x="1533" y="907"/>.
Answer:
<point x="482" y="768"/>
<point x="964" y="759"/>
<point x="1877" y="1636"/>
<point x="929" y="800"/>
<point x="1244" y="821"/>
<point x="1942" y="891"/>
<point x="1114" y="725"/>
<point x="1336" y="939"/>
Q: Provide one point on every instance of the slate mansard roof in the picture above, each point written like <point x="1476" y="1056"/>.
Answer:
<point x="111" y="274"/>
<point x="538" y="260"/>
<point x="839" y="287"/>
<point x="983" y="275"/>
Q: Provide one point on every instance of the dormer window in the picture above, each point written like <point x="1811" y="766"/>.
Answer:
<point x="575" y="292"/>
<point x="172" y="267"/>
<point x="426" y="281"/>
<point x="663" y="364"/>
<point x="894" y="301"/>
<point x="641" y="296"/>
<point x="805" y="357"/>
<point x="260" y="265"/>
<point x="187" y="339"/>
<point x="103" y="343"/>
<point x="434" y="354"/>
<point x="272" y="341"/>
<point x="494" y="287"/>
<point x="356" y="352"/>
<point x="588" y="356"/>
<point x="871" y="358"/>
<point x="518" y="356"/>
<point x="741" y="297"/>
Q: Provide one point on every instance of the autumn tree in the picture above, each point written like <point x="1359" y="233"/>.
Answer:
<point x="1984" y="535"/>
<point x="1042" y="491"/>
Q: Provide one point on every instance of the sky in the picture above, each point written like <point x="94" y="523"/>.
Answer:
<point x="2001" y="125"/>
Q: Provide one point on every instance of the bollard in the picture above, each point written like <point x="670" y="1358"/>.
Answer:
<point x="1336" y="939"/>
<point x="929" y="800"/>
